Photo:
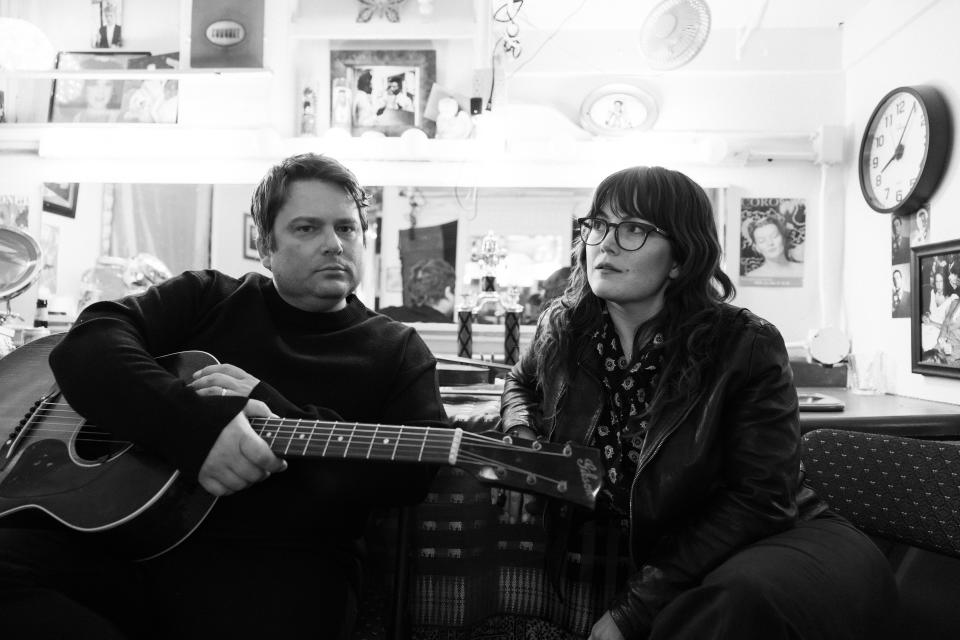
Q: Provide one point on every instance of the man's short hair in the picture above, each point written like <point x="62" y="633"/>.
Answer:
<point x="429" y="280"/>
<point x="274" y="190"/>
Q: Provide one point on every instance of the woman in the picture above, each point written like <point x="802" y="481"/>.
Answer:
<point x="770" y="239"/>
<point x="699" y="432"/>
<point x="939" y="300"/>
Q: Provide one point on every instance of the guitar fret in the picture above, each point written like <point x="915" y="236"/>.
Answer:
<point x="309" y="440"/>
<point x="329" y="435"/>
<point x="350" y="439"/>
<point x="292" y="436"/>
<point x="373" y="440"/>
<point x="393" y="454"/>
<point x="423" y="444"/>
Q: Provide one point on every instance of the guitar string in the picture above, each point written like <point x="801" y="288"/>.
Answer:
<point x="463" y="456"/>
<point x="358" y="440"/>
<point x="360" y="430"/>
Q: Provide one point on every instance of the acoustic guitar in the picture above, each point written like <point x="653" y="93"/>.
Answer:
<point x="55" y="462"/>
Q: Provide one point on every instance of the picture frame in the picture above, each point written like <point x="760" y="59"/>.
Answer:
<point x="107" y="31"/>
<point x="618" y="109"/>
<point x="93" y="99"/>
<point x="383" y="91"/>
<point x="250" y="251"/>
<point x="935" y="309"/>
<point x="61" y="198"/>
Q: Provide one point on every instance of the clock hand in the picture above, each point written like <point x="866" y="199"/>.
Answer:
<point x="905" y="125"/>
<point x="898" y="152"/>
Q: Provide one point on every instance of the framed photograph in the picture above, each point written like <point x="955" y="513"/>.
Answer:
<point x="61" y="198"/>
<point x="90" y="99"/>
<point x="618" y="109"/>
<point x="935" y="309"/>
<point x="151" y="100"/>
<point x="107" y="20"/>
<point x="382" y="91"/>
<point x="250" y="238"/>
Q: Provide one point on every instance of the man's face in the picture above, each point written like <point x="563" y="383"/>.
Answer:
<point x="954" y="280"/>
<point x="897" y="280"/>
<point x="317" y="257"/>
<point x="393" y="87"/>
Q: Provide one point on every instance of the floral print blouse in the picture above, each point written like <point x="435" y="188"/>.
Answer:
<point x="629" y="389"/>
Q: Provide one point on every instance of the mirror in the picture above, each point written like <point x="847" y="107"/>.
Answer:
<point x="533" y="227"/>
<point x="20" y="262"/>
<point x="829" y="346"/>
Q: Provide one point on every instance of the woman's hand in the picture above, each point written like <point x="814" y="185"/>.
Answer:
<point x="222" y="380"/>
<point x="605" y="629"/>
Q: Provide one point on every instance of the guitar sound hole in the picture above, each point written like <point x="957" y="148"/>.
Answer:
<point x="96" y="444"/>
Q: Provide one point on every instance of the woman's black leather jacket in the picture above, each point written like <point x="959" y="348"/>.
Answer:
<point x="716" y="472"/>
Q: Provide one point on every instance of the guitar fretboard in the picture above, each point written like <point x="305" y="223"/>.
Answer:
<point x="358" y="441"/>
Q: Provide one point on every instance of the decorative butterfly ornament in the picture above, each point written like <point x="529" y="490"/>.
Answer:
<point x="388" y="9"/>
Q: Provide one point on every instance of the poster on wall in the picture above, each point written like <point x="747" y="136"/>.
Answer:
<point x="773" y="232"/>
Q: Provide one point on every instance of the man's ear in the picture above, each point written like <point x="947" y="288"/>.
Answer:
<point x="264" y="252"/>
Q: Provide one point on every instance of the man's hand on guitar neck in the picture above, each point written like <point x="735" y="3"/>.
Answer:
<point x="239" y="457"/>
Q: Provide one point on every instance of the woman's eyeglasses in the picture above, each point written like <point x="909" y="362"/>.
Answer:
<point x="630" y="235"/>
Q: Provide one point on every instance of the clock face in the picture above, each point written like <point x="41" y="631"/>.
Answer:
<point x="899" y="168"/>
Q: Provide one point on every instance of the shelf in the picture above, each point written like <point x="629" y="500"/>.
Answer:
<point x="121" y="74"/>
<point x="342" y="30"/>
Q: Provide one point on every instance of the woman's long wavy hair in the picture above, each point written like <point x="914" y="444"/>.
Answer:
<point x="677" y="204"/>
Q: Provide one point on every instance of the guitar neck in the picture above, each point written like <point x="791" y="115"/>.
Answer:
<point x="290" y="437"/>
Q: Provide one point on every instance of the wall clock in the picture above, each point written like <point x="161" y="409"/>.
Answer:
<point x="905" y="148"/>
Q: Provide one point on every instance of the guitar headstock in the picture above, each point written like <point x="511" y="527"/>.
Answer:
<point x="569" y="472"/>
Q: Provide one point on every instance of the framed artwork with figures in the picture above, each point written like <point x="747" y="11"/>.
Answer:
<point x="935" y="309"/>
<point x="383" y="91"/>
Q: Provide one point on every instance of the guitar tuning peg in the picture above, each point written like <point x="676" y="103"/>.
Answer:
<point x="531" y="479"/>
<point x="562" y="486"/>
<point x="567" y="450"/>
<point x="537" y="445"/>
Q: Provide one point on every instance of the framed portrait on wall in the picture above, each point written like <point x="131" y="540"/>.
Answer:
<point x="382" y="91"/>
<point x="99" y="98"/>
<point x="935" y="309"/>
<point x="61" y="198"/>
<point x="250" y="238"/>
<point x="773" y="235"/>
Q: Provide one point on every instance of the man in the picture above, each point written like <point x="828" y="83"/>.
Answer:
<point x="901" y="298"/>
<point x="430" y="290"/>
<point x="395" y="97"/>
<point x="900" y="247"/>
<point x="277" y="557"/>
<point x="109" y="34"/>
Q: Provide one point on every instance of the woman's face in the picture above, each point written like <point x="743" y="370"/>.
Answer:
<point x="633" y="279"/>
<point x="938" y="282"/>
<point x="768" y="241"/>
<point x="98" y="93"/>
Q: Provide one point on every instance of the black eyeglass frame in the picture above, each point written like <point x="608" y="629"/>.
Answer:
<point x="648" y="228"/>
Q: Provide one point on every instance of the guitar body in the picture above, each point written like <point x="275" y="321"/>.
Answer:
<point x="77" y="475"/>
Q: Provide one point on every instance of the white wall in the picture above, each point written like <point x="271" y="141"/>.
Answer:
<point x="891" y="45"/>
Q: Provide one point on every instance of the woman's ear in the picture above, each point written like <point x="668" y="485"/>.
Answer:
<point x="674" y="271"/>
